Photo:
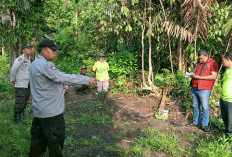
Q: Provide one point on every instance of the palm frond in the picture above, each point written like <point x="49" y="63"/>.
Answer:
<point x="177" y="31"/>
<point x="228" y="26"/>
<point x="196" y="14"/>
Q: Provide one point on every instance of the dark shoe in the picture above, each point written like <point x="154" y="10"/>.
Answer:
<point x="206" y="129"/>
<point x="105" y="95"/>
<point x="191" y="124"/>
<point x="176" y="123"/>
<point x="17" y="119"/>
<point x="84" y="91"/>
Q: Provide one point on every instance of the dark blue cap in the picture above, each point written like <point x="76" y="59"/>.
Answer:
<point x="48" y="43"/>
<point x="26" y="46"/>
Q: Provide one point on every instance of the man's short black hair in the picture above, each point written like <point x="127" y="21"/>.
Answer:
<point x="202" y="52"/>
<point x="228" y="55"/>
<point x="39" y="50"/>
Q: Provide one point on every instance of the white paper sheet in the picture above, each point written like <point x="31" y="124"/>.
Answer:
<point x="187" y="74"/>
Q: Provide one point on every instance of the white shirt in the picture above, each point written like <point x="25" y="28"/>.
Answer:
<point x="46" y="87"/>
<point x="20" y="72"/>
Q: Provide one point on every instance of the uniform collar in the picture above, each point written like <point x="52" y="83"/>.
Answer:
<point x="24" y="56"/>
<point x="41" y="57"/>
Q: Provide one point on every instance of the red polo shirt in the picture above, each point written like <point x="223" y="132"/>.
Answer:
<point x="212" y="66"/>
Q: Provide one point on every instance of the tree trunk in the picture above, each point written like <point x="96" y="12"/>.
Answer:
<point x="33" y="43"/>
<point x="169" y="44"/>
<point x="11" y="54"/>
<point x="170" y="52"/>
<point x="3" y="48"/>
<point x="184" y="61"/>
<point x="162" y="103"/>
<point x="143" y="73"/>
<point x="195" y="34"/>
<point x="11" y="43"/>
<point x="143" y="27"/>
<point x="150" y="76"/>
<point x="180" y="44"/>
<point x="180" y="54"/>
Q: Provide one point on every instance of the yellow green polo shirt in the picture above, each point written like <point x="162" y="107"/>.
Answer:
<point x="227" y="86"/>
<point x="101" y="69"/>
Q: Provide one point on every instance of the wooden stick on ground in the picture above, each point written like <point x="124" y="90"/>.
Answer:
<point x="162" y="104"/>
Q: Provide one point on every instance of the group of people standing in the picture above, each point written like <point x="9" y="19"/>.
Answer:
<point x="101" y="69"/>
<point x="45" y="82"/>
<point x="203" y="79"/>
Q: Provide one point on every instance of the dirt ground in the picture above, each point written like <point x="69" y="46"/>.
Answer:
<point x="128" y="115"/>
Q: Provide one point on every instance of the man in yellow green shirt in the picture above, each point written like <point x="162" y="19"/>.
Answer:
<point x="226" y="95"/>
<point x="101" y="69"/>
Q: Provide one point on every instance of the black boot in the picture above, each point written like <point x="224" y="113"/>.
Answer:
<point x="17" y="119"/>
<point x="105" y="95"/>
<point x="22" y="115"/>
<point x="101" y="96"/>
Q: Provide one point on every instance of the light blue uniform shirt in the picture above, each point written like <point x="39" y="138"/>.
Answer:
<point x="46" y="87"/>
<point x="20" y="72"/>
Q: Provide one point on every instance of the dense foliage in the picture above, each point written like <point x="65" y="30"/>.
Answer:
<point x="171" y="30"/>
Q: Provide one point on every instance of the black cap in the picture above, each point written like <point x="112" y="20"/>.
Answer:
<point x="26" y="46"/>
<point x="48" y="43"/>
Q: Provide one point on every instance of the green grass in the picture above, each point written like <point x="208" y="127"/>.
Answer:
<point x="90" y="118"/>
<point x="156" y="141"/>
<point x="15" y="139"/>
<point x="209" y="147"/>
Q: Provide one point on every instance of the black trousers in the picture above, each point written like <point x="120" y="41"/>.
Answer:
<point x="226" y="112"/>
<point x="47" y="132"/>
<point x="21" y="97"/>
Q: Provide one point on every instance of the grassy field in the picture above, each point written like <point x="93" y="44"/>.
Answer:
<point x="93" y="130"/>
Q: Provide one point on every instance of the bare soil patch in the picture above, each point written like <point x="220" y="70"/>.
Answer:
<point x="127" y="116"/>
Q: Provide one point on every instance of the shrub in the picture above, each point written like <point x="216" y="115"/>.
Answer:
<point x="4" y="68"/>
<point x="122" y="63"/>
<point x="181" y="90"/>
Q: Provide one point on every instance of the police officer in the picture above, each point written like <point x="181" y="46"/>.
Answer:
<point x="19" y="77"/>
<point x="48" y="104"/>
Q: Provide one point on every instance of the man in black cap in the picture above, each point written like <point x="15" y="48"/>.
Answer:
<point x="19" y="77"/>
<point x="48" y="103"/>
<point x="81" y="88"/>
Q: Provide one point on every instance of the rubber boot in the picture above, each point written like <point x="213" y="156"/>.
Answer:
<point x="17" y="119"/>
<point x="22" y="115"/>
<point x="105" y="95"/>
<point x="101" y="96"/>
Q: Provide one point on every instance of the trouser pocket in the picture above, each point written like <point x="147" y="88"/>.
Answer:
<point x="57" y="134"/>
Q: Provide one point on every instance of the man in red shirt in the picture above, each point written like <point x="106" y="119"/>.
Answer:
<point x="203" y="79"/>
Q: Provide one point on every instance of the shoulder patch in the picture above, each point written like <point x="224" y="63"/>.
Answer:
<point x="52" y="67"/>
<point x="19" y="59"/>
